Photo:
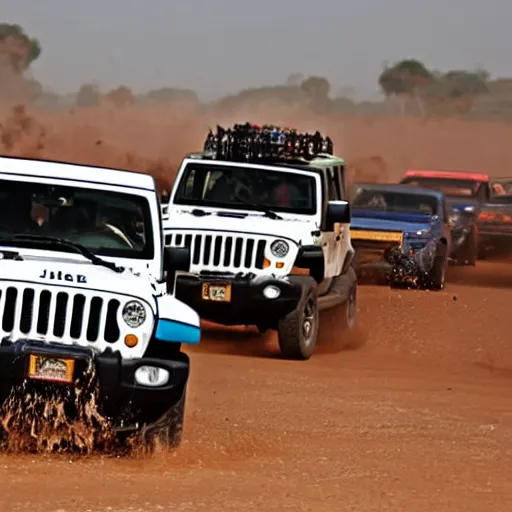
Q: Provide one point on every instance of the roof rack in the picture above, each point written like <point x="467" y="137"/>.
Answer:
<point x="249" y="142"/>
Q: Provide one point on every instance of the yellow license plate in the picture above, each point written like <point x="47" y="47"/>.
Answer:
<point x="216" y="292"/>
<point x="379" y="236"/>
<point x="51" y="369"/>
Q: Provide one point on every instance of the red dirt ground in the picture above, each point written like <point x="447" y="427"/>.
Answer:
<point x="412" y="415"/>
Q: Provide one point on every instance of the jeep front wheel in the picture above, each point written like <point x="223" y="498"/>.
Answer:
<point x="468" y="253"/>
<point x="437" y="277"/>
<point x="167" y="431"/>
<point x="297" y="331"/>
<point x="351" y="309"/>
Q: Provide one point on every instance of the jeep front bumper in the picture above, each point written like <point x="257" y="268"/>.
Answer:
<point x="127" y="404"/>
<point x="247" y="304"/>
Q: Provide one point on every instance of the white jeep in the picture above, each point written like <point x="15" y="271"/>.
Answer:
<point x="84" y="280"/>
<point x="257" y="257"/>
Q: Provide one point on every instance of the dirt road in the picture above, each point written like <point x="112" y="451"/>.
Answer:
<point x="417" y="418"/>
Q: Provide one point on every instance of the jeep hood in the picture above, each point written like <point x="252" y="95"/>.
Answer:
<point x="74" y="273"/>
<point x="255" y="223"/>
<point x="392" y="221"/>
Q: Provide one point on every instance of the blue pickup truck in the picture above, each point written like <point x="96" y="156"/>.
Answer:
<point x="403" y="231"/>
<point x="466" y="194"/>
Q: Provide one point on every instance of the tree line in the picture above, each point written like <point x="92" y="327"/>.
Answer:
<point x="409" y="87"/>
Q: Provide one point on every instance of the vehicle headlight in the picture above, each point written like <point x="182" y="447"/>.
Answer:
<point x="134" y="314"/>
<point x="279" y="248"/>
<point x="151" y="376"/>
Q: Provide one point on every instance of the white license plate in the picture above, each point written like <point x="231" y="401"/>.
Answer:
<point x="51" y="369"/>
<point x="216" y="292"/>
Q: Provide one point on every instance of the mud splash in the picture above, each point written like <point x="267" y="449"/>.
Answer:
<point x="55" y="419"/>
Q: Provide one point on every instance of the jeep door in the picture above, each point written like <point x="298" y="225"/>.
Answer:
<point x="337" y="240"/>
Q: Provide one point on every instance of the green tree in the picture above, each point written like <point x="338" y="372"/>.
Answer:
<point x="17" y="49"/>
<point x="317" y="87"/>
<point x="88" y="95"/>
<point x="121" y="97"/>
<point x="406" y="79"/>
<point x="463" y="83"/>
<point x="455" y="91"/>
<point x="317" y="90"/>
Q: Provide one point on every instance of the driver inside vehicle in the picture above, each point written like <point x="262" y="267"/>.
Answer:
<point x="84" y="220"/>
<point x="229" y="185"/>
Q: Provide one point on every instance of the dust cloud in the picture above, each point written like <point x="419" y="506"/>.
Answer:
<point x="155" y="138"/>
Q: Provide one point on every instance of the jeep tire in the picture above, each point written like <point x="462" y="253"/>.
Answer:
<point x="167" y="431"/>
<point x="350" y="306"/>
<point x="437" y="275"/>
<point x="298" y="330"/>
<point x="468" y="253"/>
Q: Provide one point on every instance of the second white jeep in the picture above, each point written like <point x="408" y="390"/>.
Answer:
<point x="268" y="231"/>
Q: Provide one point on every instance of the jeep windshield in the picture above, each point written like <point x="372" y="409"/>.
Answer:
<point x="394" y="202"/>
<point x="104" y="222"/>
<point x="246" y="188"/>
<point x="449" y="187"/>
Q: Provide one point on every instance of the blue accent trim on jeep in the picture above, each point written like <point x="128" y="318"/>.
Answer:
<point x="173" y="331"/>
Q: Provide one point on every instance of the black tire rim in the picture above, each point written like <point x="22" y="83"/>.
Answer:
<point x="309" y="320"/>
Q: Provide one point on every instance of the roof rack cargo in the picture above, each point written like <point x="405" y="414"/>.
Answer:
<point x="268" y="143"/>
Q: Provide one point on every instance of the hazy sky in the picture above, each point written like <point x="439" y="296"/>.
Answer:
<point x="216" y="46"/>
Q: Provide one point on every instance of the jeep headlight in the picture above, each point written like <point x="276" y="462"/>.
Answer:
<point x="279" y="248"/>
<point x="134" y="314"/>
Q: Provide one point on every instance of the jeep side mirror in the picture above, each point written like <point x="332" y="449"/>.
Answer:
<point x="164" y="197"/>
<point x="337" y="211"/>
<point x="176" y="259"/>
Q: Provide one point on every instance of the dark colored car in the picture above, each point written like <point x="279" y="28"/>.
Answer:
<point x="465" y="193"/>
<point x="403" y="231"/>
<point x="495" y="223"/>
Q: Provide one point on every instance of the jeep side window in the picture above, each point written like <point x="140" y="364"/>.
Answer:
<point x="196" y="186"/>
<point x="337" y="183"/>
<point x="331" y="186"/>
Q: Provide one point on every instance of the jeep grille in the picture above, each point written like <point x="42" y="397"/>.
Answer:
<point x="58" y="315"/>
<point x="221" y="252"/>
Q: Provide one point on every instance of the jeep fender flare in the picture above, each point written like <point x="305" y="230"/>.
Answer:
<point x="311" y="257"/>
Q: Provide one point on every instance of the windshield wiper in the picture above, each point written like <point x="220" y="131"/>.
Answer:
<point x="86" y="253"/>
<point x="267" y="211"/>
